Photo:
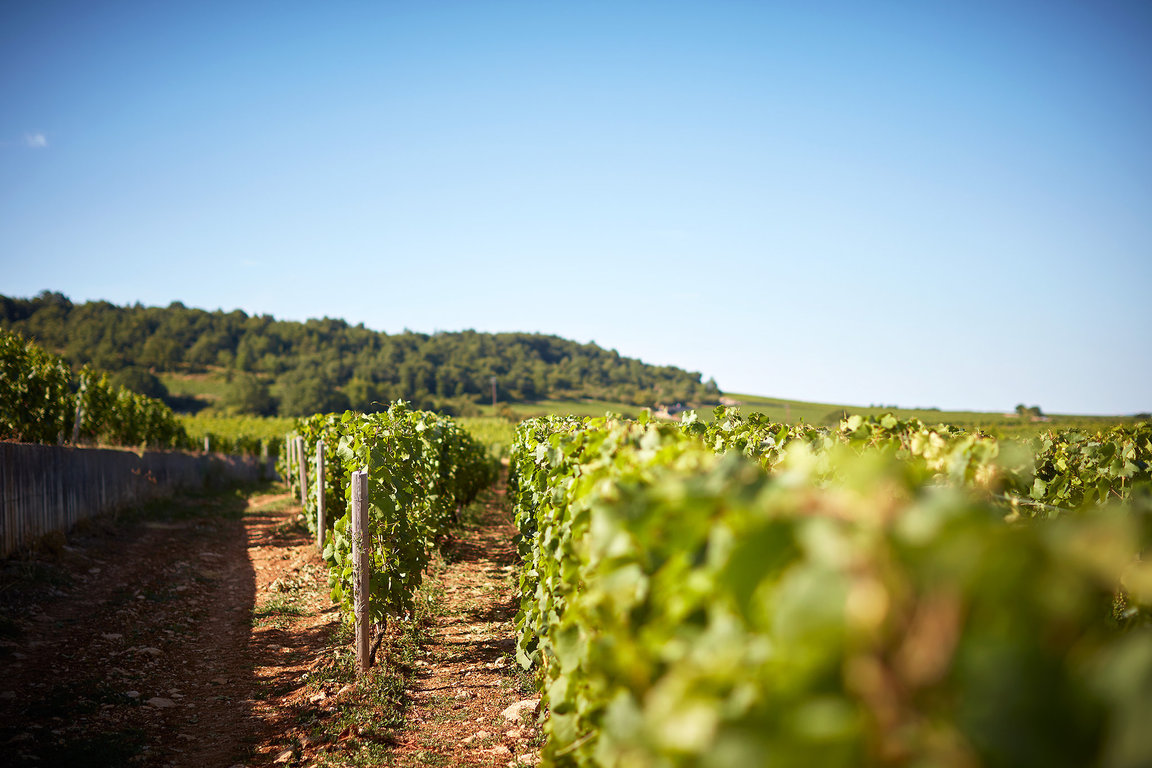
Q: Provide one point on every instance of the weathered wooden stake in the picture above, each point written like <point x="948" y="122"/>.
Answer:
<point x="320" y="522"/>
<point x="289" y="446"/>
<point x="79" y="409"/>
<point x="207" y="444"/>
<point x="360" y="567"/>
<point x="303" y="470"/>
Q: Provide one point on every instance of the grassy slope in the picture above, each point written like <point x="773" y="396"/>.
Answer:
<point x="1004" y="423"/>
<point x="210" y="386"/>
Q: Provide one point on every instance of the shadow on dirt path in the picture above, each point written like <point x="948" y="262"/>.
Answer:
<point x="136" y="642"/>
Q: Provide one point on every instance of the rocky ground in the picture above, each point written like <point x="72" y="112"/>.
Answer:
<point x="198" y="632"/>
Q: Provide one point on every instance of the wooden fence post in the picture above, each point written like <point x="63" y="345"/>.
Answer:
<point x="320" y="522"/>
<point x="303" y="470"/>
<point x="360" y="561"/>
<point x="207" y="444"/>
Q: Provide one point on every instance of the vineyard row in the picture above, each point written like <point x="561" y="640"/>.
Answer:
<point x="883" y="593"/>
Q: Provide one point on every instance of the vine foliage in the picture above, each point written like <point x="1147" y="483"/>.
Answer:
<point x="422" y="468"/>
<point x="40" y="397"/>
<point x="879" y="593"/>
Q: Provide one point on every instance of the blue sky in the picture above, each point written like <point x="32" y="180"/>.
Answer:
<point x="942" y="204"/>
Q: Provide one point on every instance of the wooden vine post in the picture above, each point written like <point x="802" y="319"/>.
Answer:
<point x="303" y="470"/>
<point x="289" y="446"/>
<point x="79" y="409"/>
<point x="320" y="522"/>
<point x="360" y="563"/>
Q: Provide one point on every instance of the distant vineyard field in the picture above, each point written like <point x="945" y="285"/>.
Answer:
<point x="233" y="427"/>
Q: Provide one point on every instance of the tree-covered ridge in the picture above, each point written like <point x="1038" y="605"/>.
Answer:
<point x="327" y="365"/>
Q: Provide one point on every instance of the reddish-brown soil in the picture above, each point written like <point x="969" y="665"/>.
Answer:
<point x="191" y="635"/>
<point x="468" y="677"/>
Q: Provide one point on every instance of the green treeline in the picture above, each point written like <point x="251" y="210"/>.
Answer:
<point x="293" y="368"/>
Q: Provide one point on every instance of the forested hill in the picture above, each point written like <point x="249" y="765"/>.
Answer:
<point x="321" y="365"/>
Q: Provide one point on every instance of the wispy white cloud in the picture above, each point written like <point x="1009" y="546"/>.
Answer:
<point x="35" y="140"/>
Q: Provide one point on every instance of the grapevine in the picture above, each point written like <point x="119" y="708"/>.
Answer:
<point x="883" y="592"/>
<point x="422" y="468"/>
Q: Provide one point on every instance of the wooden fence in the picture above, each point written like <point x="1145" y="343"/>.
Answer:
<point x="46" y="488"/>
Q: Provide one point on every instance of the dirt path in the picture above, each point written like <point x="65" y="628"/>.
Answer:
<point x="467" y="677"/>
<point x="199" y="634"/>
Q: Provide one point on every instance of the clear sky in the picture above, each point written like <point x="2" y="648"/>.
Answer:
<point x="913" y="203"/>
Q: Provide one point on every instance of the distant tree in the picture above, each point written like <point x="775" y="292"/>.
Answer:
<point x="304" y="396"/>
<point x="162" y="352"/>
<point x="364" y="395"/>
<point x="249" y="394"/>
<point x="203" y="351"/>
<point x="140" y="381"/>
<point x="252" y="350"/>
